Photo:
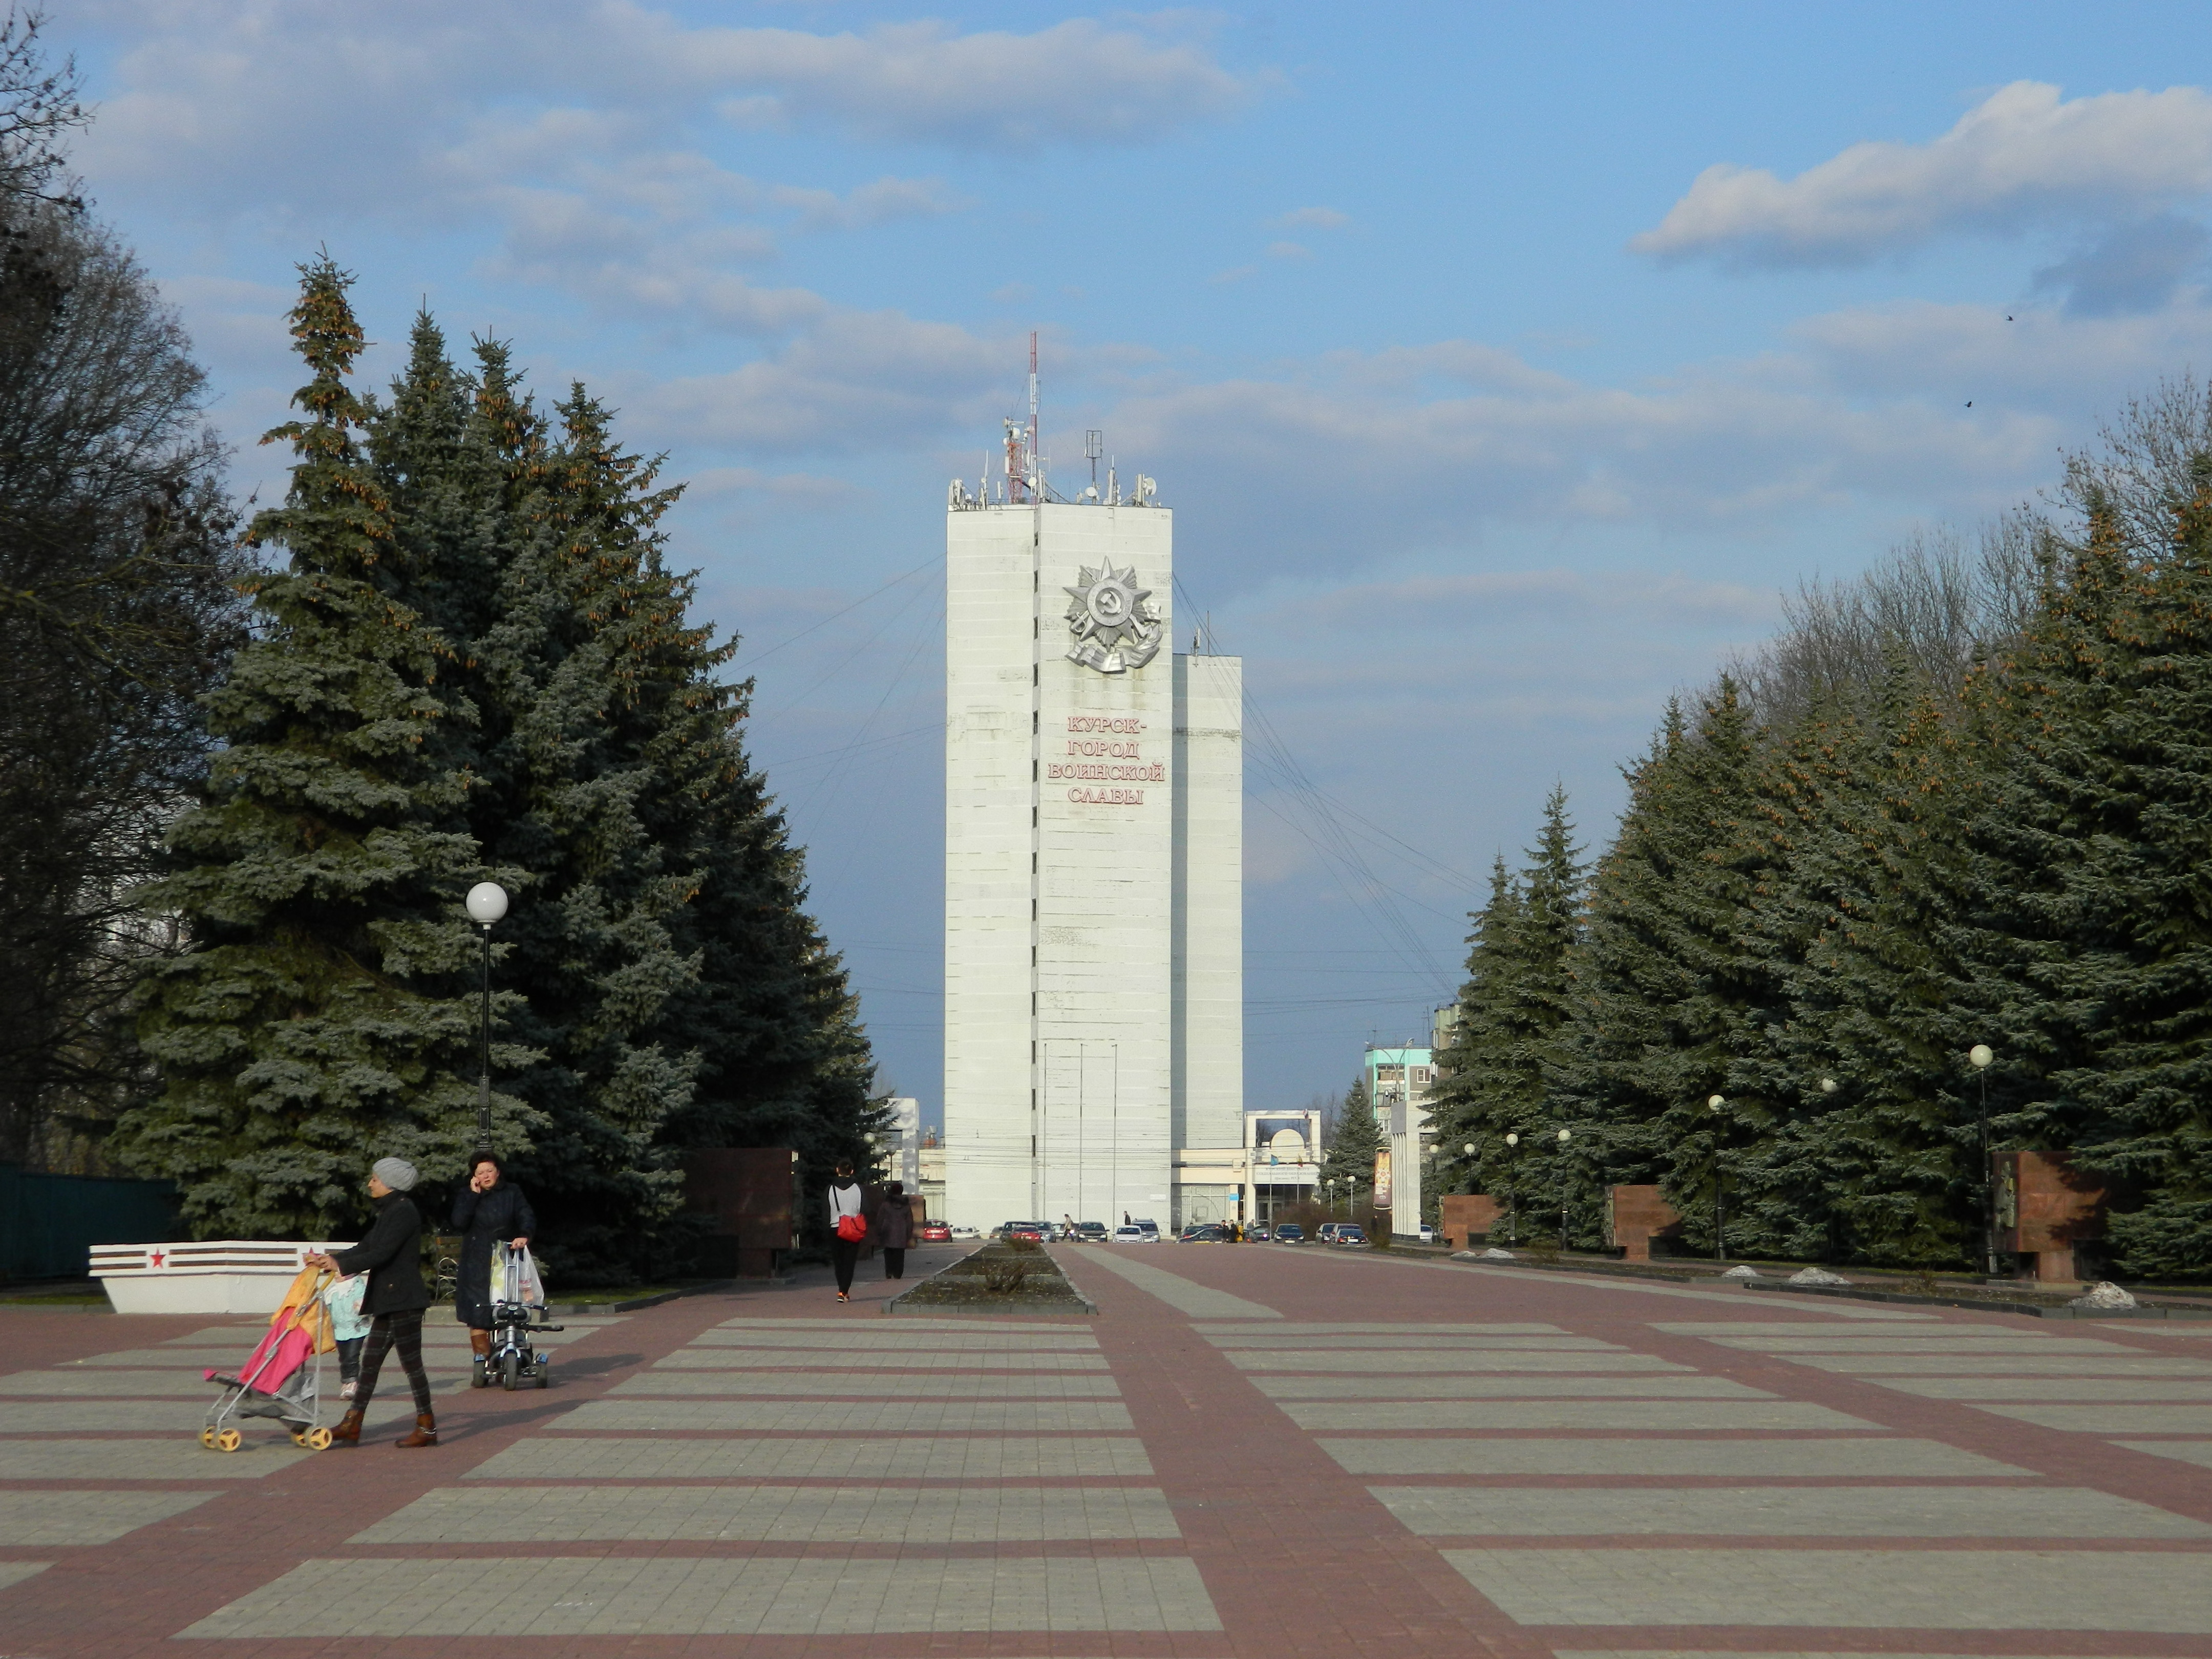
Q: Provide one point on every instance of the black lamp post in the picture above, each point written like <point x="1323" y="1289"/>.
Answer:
<point x="1566" y="1135"/>
<point x="1512" y="1189"/>
<point x="1979" y="1057"/>
<point x="1713" y="1104"/>
<point x="487" y="904"/>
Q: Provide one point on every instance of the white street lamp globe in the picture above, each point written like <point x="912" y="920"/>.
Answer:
<point x="487" y="902"/>
<point x="1828" y="1085"/>
<point x="1566" y="1135"/>
<point x="1980" y="1056"/>
<point x="1467" y="1150"/>
<point x="1715" y="1103"/>
<point x="1513" y="1141"/>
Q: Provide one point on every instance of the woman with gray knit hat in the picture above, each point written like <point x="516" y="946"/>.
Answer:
<point x="392" y="1255"/>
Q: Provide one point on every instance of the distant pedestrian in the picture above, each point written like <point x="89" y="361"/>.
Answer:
<point x="491" y="1211"/>
<point x="391" y="1257"/>
<point x="897" y="1230"/>
<point x="849" y="1226"/>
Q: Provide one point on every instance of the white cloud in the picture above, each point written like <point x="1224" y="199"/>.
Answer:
<point x="2023" y="156"/>
<point x="1313" y="218"/>
<point x="1289" y="250"/>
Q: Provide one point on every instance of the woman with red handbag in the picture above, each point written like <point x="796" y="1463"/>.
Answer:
<point x="849" y="1226"/>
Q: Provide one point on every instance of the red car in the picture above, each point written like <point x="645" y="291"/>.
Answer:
<point x="936" y="1232"/>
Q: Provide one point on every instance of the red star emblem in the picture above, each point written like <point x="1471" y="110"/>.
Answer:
<point x="157" y="1259"/>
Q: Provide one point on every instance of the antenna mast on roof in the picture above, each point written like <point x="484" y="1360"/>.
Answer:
<point x="1036" y="482"/>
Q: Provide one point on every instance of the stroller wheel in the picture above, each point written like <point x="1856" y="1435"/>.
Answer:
<point x="207" y="1438"/>
<point x="229" y="1440"/>
<point x="316" y="1440"/>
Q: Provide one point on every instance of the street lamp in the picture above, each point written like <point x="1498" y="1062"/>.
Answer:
<point x="1512" y="1192"/>
<point x="1829" y="1085"/>
<point x="1713" y="1104"/>
<point x="486" y="903"/>
<point x="1566" y="1135"/>
<point x="1979" y="1057"/>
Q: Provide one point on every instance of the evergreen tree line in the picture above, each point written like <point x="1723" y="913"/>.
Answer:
<point x="472" y="663"/>
<point x="1966" y="799"/>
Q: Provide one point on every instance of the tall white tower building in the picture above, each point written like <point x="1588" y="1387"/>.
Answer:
<point x="1093" y="863"/>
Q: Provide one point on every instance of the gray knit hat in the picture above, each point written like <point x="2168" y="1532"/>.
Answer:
<point x="396" y="1173"/>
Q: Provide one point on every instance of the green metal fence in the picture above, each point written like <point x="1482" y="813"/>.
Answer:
<point x="48" y="1222"/>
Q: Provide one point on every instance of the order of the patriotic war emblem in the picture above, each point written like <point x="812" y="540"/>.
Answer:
<point x="1115" y="624"/>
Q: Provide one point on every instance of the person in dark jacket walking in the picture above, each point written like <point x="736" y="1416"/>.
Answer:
<point x="391" y="1257"/>
<point x="490" y="1211"/>
<point x="894" y="1229"/>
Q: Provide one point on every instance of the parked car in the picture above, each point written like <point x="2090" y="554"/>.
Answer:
<point x="934" y="1233"/>
<point x="1346" y="1233"/>
<point x="1205" y="1232"/>
<point x="1259" y="1235"/>
<point x="1326" y="1231"/>
<point x="1428" y="1234"/>
<point x="1290" y="1233"/>
<point x="1135" y="1235"/>
<point x="1151" y="1228"/>
<point x="1035" y="1231"/>
<point x="1090" y="1232"/>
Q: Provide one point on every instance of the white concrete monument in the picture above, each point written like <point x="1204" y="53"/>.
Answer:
<point x="1093" y="862"/>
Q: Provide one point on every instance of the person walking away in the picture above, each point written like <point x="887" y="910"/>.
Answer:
<point x="490" y="1211"/>
<point x="848" y="1226"/>
<point x="897" y="1230"/>
<point x="348" y="1329"/>
<point x="391" y="1257"/>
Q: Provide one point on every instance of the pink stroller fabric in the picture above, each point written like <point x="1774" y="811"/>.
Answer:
<point x="274" y="1358"/>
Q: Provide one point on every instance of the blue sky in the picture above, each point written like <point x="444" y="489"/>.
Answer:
<point x="1504" y="365"/>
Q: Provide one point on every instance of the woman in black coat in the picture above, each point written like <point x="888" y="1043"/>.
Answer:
<point x="392" y="1255"/>
<point x="490" y="1212"/>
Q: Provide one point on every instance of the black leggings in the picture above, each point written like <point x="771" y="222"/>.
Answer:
<point x="894" y="1263"/>
<point x="844" y="1252"/>
<point x="403" y="1330"/>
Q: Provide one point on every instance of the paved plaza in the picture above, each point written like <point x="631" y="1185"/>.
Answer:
<point x="1250" y="1452"/>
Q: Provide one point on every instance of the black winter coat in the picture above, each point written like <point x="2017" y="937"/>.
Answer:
<point x="488" y="1219"/>
<point x="392" y="1254"/>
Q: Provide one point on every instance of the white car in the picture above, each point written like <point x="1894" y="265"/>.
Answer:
<point x="1136" y="1235"/>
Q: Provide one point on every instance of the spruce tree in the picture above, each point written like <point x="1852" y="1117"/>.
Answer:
<point x="320" y="1017"/>
<point x="1354" y="1140"/>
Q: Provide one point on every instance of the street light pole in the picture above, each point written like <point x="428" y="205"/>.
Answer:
<point x="1566" y="1135"/>
<point x="1714" y="1104"/>
<point x="486" y="903"/>
<point x="1512" y="1189"/>
<point x="1979" y="1057"/>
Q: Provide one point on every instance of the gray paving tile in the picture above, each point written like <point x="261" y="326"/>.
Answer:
<point x="1431" y="1386"/>
<point x="843" y="1417"/>
<point x="1866" y="1342"/>
<point x="687" y="1595"/>
<point x="1916" y="1590"/>
<point x="1274" y="1331"/>
<point x="2000" y="1365"/>
<point x="1649" y="1415"/>
<point x="15" y="1572"/>
<point x="2068" y="1512"/>
<point x="241" y="1337"/>
<point x="2198" y="1452"/>
<point x="177" y="1416"/>
<point x="920" y="1516"/>
<point x="1372" y="1343"/>
<point x="891" y="1336"/>
<point x="1185" y="1296"/>
<point x="641" y="1458"/>
<point x="2111" y="1420"/>
<point x="1017" y="1329"/>
<point x="1867" y="1458"/>
<point x="2052" y="1388"/>
<point x="69" y="1384"/>
<point x="718" y="1357"/>
<point x="165" y="1359"/>
<point x="1441" y="1359"/>
<point x="824" y="1385"/>
<point x="1807" y="1327"/>
<point x="177" y="1459"/>
<point x="38" y="1518"/>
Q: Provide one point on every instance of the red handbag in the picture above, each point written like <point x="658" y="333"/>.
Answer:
<point x="852" y="1228"/>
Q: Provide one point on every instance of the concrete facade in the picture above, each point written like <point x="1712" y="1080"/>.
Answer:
<point x="1093" y="939"/>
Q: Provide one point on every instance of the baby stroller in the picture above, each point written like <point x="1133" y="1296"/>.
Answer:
<point x="517" y="1295"/>
<point x="282" y="1377"/>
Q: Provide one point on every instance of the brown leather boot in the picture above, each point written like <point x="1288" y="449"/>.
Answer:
<point x="348" y="1432"/>
<point x="480" y="1345"/>
<point x="426" y="1431"/>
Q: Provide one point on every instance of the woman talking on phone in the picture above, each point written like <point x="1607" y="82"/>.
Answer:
<point x="490" y="1211"/>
